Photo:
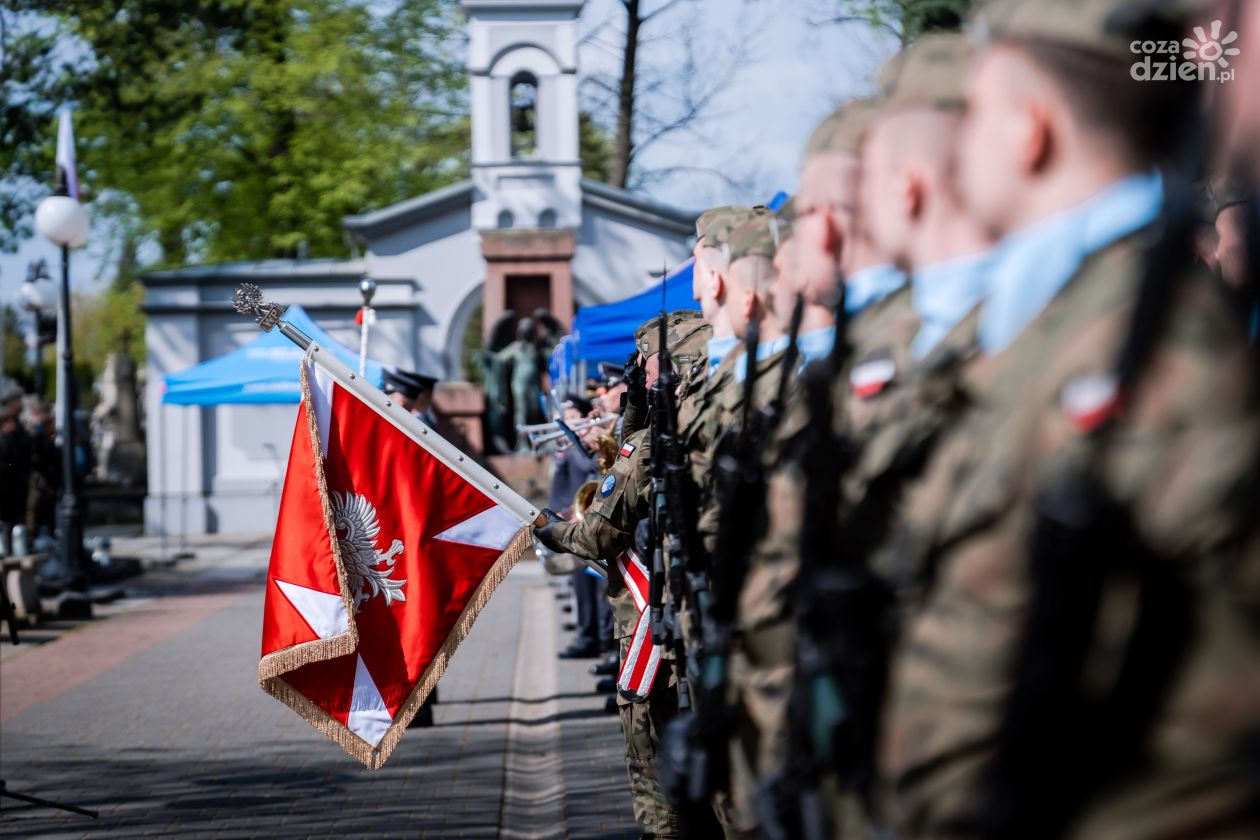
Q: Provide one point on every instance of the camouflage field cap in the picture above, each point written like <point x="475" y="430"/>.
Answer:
<point x="787" y="217"/>
<point x="759" y="237"/>
<point x="692" y="345"/>
<point x="842" y="131"/>
<point x="651" y="325"/>
<point x="1104" y="27"/>
<point x="682" y="328"/>
<point x="930" y="73"/>
<point x="787" y="213"/>
<point x="714" y="226"/>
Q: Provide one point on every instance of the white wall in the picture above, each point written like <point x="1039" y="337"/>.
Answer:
<point x="221" y="468"/>
<point x="615" y="257"/>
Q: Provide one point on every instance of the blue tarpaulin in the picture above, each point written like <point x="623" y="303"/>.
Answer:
<point x="606" y="333"/>
<point x="263" y="371"/>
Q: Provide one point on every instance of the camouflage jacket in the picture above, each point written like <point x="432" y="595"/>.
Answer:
<point x="728" y="413"/>
<point x="621" y="501"/>
<point x="897" y="440"/>
<point x="698" y="421"/>
<point x="1177" y="463"/>
<point x="880" y="362"/>
<point x="880" y="337"/>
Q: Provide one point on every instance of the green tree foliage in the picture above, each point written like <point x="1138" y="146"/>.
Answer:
<point x="595" y="149"/>
<point x="111" y="321"/>
<point x="241" y="129"/>
<point x="13" y="351"/>
<point x="30" y="79"/>
<point x="906" y="19"/>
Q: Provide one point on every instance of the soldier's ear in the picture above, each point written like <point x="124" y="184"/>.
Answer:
<point x="833" y="236"/>
<point x="717" y="286"/>
<point x="1037" y="141"/>
<point x="912" y="194"/>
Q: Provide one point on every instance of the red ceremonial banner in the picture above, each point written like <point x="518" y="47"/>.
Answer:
<point x="383" y="557"/>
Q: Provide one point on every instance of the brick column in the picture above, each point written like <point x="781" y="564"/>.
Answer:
<point x="532" y="253"/>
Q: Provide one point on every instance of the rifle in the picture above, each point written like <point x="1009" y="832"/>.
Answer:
<point x="666" y="500"/>
<point x="696" y="760"/>
<point x="841" y="654"/>
<point x="690" y="769"/>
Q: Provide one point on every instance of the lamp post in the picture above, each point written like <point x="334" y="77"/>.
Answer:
<point x="64" y="222"/>
<point x="39" y="297"/>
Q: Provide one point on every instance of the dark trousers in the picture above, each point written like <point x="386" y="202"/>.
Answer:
<point x="605" y="622"/>
<point x="586" y="593"/>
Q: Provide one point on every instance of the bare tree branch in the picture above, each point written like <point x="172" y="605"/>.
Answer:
<point x="655" y="176"/>
<point x="669" y="4"/>
<point x="657" y="96"/>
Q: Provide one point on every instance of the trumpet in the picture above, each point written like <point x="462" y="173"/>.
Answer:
<point x="545" y="437"/>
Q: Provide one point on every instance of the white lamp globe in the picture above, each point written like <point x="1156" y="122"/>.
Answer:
<point x="62" y="220"/>
<point x="39" y="295"/>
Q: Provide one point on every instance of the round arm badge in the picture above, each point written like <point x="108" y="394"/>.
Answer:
<point x="607" y="485"/>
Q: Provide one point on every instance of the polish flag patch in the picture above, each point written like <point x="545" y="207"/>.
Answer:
<point x="869" y="378"/>
<point x="1091" y="400"/>
<point x="627" y="449"/>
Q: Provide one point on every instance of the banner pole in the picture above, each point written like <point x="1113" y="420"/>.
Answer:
<point x="248" y="300"/>
<point x="363" y="340"/>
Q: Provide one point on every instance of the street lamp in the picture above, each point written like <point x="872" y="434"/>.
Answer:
<point x="65" y="223"/>
<point x="38" y="295"/>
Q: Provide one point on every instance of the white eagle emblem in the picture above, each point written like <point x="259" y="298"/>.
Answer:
<point x="367" y="568"/>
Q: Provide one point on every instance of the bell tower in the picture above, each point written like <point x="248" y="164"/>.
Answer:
<point x="527" y="203"/>
<point x="522" y="64"/>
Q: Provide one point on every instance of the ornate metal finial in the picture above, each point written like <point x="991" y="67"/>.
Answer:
<point x="248" y="300"/>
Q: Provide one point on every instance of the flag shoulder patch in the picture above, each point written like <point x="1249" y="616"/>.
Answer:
<point x="1089" y="401"/>
<point x="871" y="377"/>
<point x="627" y="449"/>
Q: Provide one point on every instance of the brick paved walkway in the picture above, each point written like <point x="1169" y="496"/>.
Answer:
<point x="154" y="718"/>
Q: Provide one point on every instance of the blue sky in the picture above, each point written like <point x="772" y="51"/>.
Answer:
<point x="796" y="70"/>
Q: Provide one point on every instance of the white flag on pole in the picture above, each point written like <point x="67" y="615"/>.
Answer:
<point x="65" y="152"/>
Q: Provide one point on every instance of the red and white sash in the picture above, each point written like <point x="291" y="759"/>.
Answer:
<point x="638" y="669"/>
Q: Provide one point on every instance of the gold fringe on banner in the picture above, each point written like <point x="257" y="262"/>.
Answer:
<point x="273" y="667"/>
<point x="343" y="644"/>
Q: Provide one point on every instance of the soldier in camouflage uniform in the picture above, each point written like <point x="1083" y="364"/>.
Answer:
<point x="910" y="210"/>
<point x="824" y="237"/>
<point x="750" y="254"/>
<point x="1162" y="455"/>
<point x="608" y="529"/>
<point x="699" y="417"/>
<point x="921" y="225"/>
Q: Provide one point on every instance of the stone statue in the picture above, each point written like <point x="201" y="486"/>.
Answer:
<point x="516" y="377"/>
<point x="116" y="425"/>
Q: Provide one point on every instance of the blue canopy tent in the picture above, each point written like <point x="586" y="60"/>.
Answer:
<point x="263" y="371"/>
<point x="606" y="333"/>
